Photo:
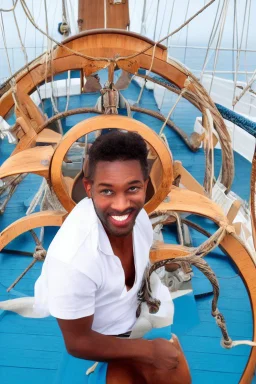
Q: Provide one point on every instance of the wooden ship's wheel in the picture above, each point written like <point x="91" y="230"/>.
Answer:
<point x="42" y="151"/>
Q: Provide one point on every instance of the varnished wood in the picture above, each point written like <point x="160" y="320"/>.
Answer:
<point x="110" y="121"/>
<point x="91" y="14"/>
<point x="26" y="135"/>
<point x="183" y="200"/>
<point x="27" y="109"/>
<point x="118" y="14"/>
<point x="233" y="211"/>
<point x="98" y="43"/>
<point x="48" y="136"/>
<point x="186" y="179"/>
<point x="33" y="160"/>
<point x="35" y="220"/>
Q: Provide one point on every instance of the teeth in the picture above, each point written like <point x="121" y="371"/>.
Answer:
<point x="120" y="218"/>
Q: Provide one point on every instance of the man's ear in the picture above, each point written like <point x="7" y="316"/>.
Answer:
<point x="87" y="186"/>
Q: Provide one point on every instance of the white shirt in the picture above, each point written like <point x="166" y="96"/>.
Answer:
<point x="81" y="276"/>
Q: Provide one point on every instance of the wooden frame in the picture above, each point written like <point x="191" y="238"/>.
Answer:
<point x="111" y="121"/>
<point x="35" y="220"/>
<point x="32" y="160"/>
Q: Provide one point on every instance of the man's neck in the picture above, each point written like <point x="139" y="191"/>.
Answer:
<point x="120" y="245"/>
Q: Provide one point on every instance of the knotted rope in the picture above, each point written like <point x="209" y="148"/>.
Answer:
<point x="38" y="255"/>
<point x="194" y="258"/>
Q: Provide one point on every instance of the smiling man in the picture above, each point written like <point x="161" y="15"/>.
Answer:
<point x="95" y="265"/>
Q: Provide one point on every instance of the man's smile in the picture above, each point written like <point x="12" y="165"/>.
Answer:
<point x="122" y="220"/>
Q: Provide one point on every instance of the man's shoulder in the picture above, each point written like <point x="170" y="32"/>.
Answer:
<point x="76" y="231"/>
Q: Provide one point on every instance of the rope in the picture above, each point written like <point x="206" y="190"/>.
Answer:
<point x="246" y="40"/>
<point x="171" y="110"/>
<point x="38" y="255"/>
<point x="208" y="149"/>
<point x="167" y="36"/>
<point x="31" y="19"/>
<point x="164" y="12"/>
<point x="5" y="46"/>
<point x="170" y="21"/>
<point x="195" y="258"/>
<point x="189" y="142"/>
<point x="186" y="43"/>
<point x="25" y="54"/>
<point x="68" y="86"/>
<point x="211" y="38"/>
<point x="216" y="56"/>
<point x="157" y="10"/>
<point x="239" y="49"/>
<point x="143" y="29"/>
<point x="10" y="9"/>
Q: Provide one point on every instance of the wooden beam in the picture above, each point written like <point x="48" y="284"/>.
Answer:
<point x="33" y="160"/>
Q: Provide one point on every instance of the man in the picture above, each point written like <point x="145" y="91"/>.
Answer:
<point x="95" y="265"/>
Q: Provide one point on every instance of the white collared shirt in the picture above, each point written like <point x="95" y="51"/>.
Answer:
<point x="81" y="276"/>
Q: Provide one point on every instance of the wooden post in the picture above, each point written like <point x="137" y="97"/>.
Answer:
<point x="103" y="14"/>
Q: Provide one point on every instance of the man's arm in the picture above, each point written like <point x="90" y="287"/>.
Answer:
<point x="82" y="342"/>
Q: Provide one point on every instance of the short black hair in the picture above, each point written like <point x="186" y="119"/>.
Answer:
<point x="118" y="145"/>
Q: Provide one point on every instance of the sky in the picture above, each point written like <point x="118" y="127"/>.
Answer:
<point x="197" y="33"/>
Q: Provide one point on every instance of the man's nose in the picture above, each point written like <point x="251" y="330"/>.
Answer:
<point x="120" y="203"/>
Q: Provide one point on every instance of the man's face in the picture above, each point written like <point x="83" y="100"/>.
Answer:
<point x="118" y="191"/>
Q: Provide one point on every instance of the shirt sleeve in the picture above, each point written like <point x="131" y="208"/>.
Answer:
<point x="70" y="293"/>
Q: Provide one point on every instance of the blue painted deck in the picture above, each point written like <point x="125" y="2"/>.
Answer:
<point x="31" y="349"/>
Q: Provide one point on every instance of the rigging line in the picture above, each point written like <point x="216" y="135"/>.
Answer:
<point x="150" y="20"/>
<point x="25" y="54"/>
<point x="246" y="40"/>
<point x="71" y="10"/>
<point x="142" y="28"/>
<point x="162" y="20"/>
<point x="5" y="45"/>
<point x="186" y="14"/>
<point x="170" y="21"/>
<point x="211" y="38"/>
<point x="165" y="37"/>
<point x="30" y="17"/>
<point x="168" y="30"/>
<point x="157" y="10"/>
<point x="233" y="42"/>
<point x="64" y="11"/>
<point x="11" y="9"/>
<point x="171" y="110"/>
<point x="240" y="47"/>
<point x="185" y="54"/>
<point x="150" y="6"/>
<point x="224" y="15"/>
<point x="68" y="85"/>
<point x="35" y="29"/>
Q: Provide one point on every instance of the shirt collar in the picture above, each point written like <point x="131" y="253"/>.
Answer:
<point x="103" y="240"/>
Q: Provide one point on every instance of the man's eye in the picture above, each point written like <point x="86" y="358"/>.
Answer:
<point x="133" y="189"/>
<point x="106" y="192"/>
